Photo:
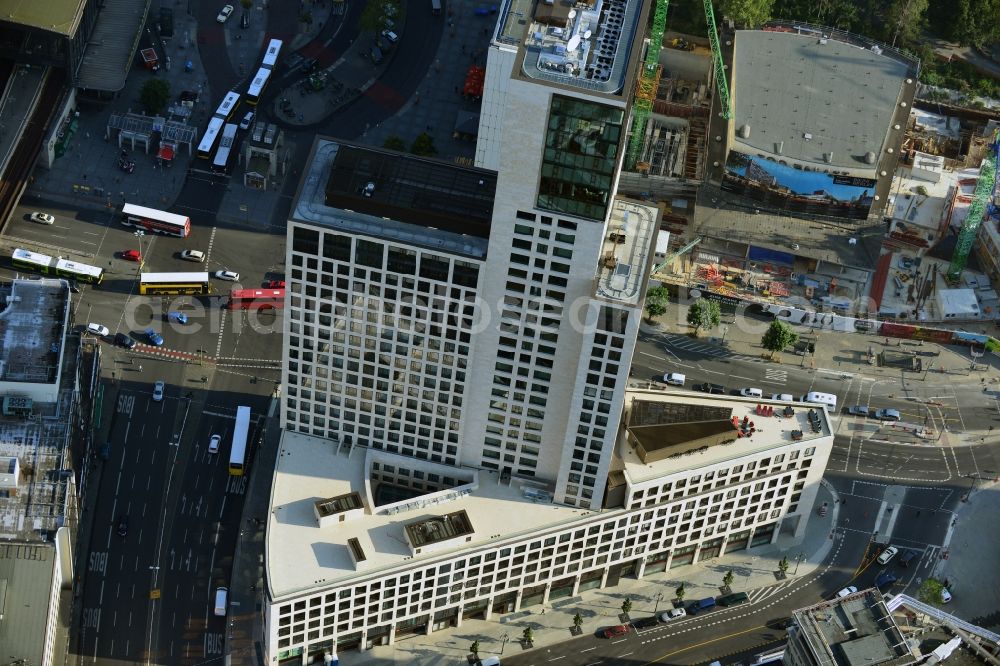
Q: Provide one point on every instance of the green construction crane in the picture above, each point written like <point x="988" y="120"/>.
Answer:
<point x="984" y="188"/>
<point x="649" y="78"/>
<point x="673" y="255"/>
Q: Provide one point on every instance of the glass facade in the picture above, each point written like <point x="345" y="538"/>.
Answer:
<point x="580" y="154"/>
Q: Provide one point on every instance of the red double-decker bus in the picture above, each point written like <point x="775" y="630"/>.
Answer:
<point x="256" y="299"/>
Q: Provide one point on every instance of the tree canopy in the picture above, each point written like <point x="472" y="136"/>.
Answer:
<point x="747" y="13"/>
<point x="703" y="314"/>
<point x="656" y="302"/>
<point x="154" y="95"/>
<point x="778" y="337"/>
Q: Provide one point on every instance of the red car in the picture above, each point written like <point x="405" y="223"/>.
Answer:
<point x="131" y="255"/>
<point x="274" y="284"/>
<point x="616" y="631"/>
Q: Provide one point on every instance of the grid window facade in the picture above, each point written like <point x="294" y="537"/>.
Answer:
<point x="673" y="521"/>
<point x="378" y="341"/>
<point x="530" y="316"/>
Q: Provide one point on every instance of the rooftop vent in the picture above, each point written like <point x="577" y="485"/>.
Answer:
<point x="744" y="131"/>
<point x="369" y="190"/>
<point x="778" y="147"/>
<point x="869" y="157"/>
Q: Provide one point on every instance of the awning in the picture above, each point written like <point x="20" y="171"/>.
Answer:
<point x="166" y="153"/>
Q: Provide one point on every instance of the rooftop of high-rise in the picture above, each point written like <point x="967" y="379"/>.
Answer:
<point x="586" y="44"/>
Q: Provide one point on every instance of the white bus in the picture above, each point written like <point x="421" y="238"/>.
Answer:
<point x="43" y="263"/>
<point x="210" y="136"/>
<point x="238" y="453"/>
<point x="156" y="221"/>
<point x="272" y="53"/>
<point x="224" y="154"/>
<point x="257" y="85"/>
<point x="229" y="103"/>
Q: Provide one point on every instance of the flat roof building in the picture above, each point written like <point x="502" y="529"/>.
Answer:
<point x="409" y="546"/>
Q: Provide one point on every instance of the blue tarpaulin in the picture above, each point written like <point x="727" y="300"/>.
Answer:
<point x="771" y="256"/>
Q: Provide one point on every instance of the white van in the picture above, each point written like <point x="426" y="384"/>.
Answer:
<point x="491" y="660"/>
<point x="221" y="594"/>
<point x="783" y="397"/>
<point x="674" y="378"/>
<point x="815" y="397"/>
<point x="752" y="393"/>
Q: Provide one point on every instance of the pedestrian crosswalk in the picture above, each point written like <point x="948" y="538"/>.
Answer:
<point x="685" y="343"/>
<point x="762" y="593"/>
<point x="776" y="376"/>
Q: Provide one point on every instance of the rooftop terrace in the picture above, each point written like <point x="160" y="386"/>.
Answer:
<point x="671" y="431"/>
<point x="626" y="252"/>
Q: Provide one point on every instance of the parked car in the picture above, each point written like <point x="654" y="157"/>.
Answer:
<point x="224" y="14"/>
<point x="674" y="378"/>
<point x="375" y="53"/>
<point x="945" y="595"/>
<point x="907" y="557"/>
<point x="231" y="276"/>
<point x="274" y="284"/>
<point x="644" y="622"/>
<point x="616" y="631"/>
<point x="247" y="119"/>
<point x="214" y="443"/>
<point x="155" y="338"/>
<point x="734" y="599"/>
<point x="158" y="391"/>
<point x="672" y="614"/>
<point x="857" y="410"/>
<point x="887" y="415"/>
<point x="751" y="392"/>
<point x="98" y="330"/>
<point x="390" y="36"/>
<point x="131" y="255"/>
<point x="123" y="340"/>
<point x="178" y="317"/>
<point x="42" y="218"/>
<point x="847" y="591"/>
<point x="123" y="525"/>
<point x="714" y="389"/>
<point x="887" y="555"/>
<point x="884" y="580"/>
<point x="193" y="255"/>
<point x="706" y="604"/>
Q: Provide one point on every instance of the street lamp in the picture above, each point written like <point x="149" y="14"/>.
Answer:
<point x="798" y="558"/>
<point x="659" y="597"/>
<point x="139" y="233"/>
<point x="503" y="642"/>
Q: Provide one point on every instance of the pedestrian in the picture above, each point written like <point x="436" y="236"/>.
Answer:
<point x="140" y="367"/>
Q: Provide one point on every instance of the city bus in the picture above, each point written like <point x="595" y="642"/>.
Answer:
<point x="174" y="283"/>
<point x="257" y="85"/>
<point x="156" y="221"/>
<point x="211" y="135"/>
<point x="228" y="105"/>
<point x="241" y="432"/>
<point x="42" y="263"/>
<point x="272" y="53"/>
<point x="224" y="155"/>
<point x="256" y="299"/>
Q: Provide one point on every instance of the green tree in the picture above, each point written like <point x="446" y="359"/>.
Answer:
<point x="393" y="142"/>
<point x="727" y="580"/>
<point x="680" y="592"/>
<point x="656" y="302"/>
<point x="747" y="13"/>
<point x="528" y="635"/>
<point x="626" y="605"/>
<point x="423" y="145"/>
<point x="930" y="591"/>
<point x="154" y="95"/>
<point x="905" y="21"/>
<point x="577" y="621"/>
<point x="475" y="649"/>
<point x="703" y="314"/>
<point x="247" y="4"/>
<point x="783" y="566"/>
<point x="375" y="13"/>
<point x="778" y="337"/>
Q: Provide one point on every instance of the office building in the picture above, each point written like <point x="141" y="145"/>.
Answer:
<point x="397" y="545"/>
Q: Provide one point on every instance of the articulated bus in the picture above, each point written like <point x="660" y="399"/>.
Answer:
<point x="174" y="283"/>
<point x="229" y="103"/>
<point x="241" y="432"/>
<point x="156" y="221"/>
<point x="258" y="85"/>
<point x="256" y="299"/>
<point x="211" y="135"/>
<point x="272" y="53"/>
<point x="224" y="155"/>
<point x="42" y="263"/>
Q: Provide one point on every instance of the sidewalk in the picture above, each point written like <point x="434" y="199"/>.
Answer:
<point x="755" y="570"/>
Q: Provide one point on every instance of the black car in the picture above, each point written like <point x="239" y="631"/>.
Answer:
<point x="715" y="389"/>
<point x="907" y="557"/>
<point x="123" y="340"/>
<point x="645" y="622"/>
<point x="74" y="286"/>
<point x="376" y="54"/>
<point x="123" y="526"/>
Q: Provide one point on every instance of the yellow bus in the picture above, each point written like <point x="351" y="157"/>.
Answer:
<point x="174" y="283"/>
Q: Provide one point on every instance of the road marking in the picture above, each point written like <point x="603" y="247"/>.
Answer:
<point x="714" y="372"/>
<point x="780" y="376"/>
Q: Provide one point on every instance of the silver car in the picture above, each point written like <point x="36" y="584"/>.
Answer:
<point x="158" y="391"/>
<point x="42" y="218"/>
<point x="231" y="276"/>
